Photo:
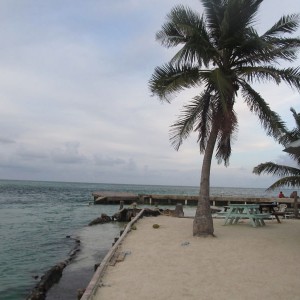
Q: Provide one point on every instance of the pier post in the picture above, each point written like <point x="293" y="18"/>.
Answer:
<point x="295" y="204"/>
<point x="179" y="210"/>
<point x="121" y="204"/>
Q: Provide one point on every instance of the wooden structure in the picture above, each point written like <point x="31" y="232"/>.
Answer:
<point x="160" y="199"/>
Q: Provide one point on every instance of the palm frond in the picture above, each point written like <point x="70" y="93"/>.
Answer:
<point x="275" y="169"/>
<point x="290" y="76"/>
<point x="237" y="18"/>
<point x="181" y="23"/>
<point x="297" y="121"/>
<point x="206" y="117"/>
<point x="186" y="27"/>
<point x="214" y="12"/>
<point x="228" y="128"/>
<point x="286" y="24"/>
<point x="190" y="114"/>
<point x="292" y="181"/>
<point x="169" y="79"/>
<point x="255" y="50"/>
<point x="270" y="120"/>
<point x="197" y="51"/>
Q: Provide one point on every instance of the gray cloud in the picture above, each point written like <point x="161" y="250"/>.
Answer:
<point x="4" y="140"/>
<point x="69" y="154"/>
<point x="101" y="160"/>
<point x="75" y="103"/>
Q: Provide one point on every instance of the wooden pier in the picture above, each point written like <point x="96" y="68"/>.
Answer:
<point x="160" y="199"/>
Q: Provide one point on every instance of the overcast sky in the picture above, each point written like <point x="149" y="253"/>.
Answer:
<point x="75" y="102"/>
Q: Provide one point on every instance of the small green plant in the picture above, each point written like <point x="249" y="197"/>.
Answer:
<point x="155" y="226"/>
<point x="133" y="227"/>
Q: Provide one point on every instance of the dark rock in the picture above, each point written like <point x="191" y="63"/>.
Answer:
<point x="80" y="293"/>
<point x="96" y="267"/>
<point x="101" y="220"/>
<point x="51" y="277"/>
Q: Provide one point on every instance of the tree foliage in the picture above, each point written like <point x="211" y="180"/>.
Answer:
<point x="290" y="176"/>
<point x="221" y="54"/>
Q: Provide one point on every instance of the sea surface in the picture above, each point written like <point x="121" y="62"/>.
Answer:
<point x="39" y="222"/>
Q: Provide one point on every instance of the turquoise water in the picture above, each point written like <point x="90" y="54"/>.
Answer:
<point x="36" y="217"/>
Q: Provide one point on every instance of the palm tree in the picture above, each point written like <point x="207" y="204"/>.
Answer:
<point x="222" y="54"/>
<point x="292" y="135"/>
<point x="290" y="176"/>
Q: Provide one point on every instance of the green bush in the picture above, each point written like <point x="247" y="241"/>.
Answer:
<point x="155" y="226"/>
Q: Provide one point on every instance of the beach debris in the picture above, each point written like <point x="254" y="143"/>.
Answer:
<point x="177" y="212"/>
<point x="101" y="284"/>
<point x="186" y="243"/>
<point x="119" y="257"/>
<point x="155" y="226"/>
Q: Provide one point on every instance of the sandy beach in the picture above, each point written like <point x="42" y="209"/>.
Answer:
<point x="241" y="262"/>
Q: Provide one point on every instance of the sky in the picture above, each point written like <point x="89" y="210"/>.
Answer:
<point x="76" y="107"/>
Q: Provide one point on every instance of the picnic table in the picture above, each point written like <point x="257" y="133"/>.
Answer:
<point x="237" y="212"/>
<point x="270" y="207"/>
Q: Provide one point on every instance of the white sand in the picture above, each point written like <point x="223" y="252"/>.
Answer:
<point x="242" y="262"/>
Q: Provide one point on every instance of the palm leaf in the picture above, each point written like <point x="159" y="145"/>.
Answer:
<point x="275" y="169"/>
<point x="186" y="27"/>
<point x="191" y="114"/>
<point x="168" y="80"/>
<point x="292" y="181"/>
<point x="270" y="120"/>
<point x="286" y="24"/>
<point x="228" y="128"/>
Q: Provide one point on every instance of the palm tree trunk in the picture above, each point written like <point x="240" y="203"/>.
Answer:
<point x="203" y="222"/>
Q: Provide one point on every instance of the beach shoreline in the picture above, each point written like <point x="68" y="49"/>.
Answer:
<point x="241" y="262"/>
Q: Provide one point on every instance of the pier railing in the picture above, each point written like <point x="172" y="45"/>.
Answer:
<point x="192" y="200"/>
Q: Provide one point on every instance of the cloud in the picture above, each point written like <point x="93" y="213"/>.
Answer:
<point x="101" y="160"/>
<point x="75" y="102"/>
<point x="68" y="154"/>
<point x="4" y="140"/>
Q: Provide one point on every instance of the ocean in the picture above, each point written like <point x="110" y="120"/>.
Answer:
<point x="39" y="222"/>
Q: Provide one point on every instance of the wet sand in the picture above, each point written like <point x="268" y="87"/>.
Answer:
<point x="241" y="262"/>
